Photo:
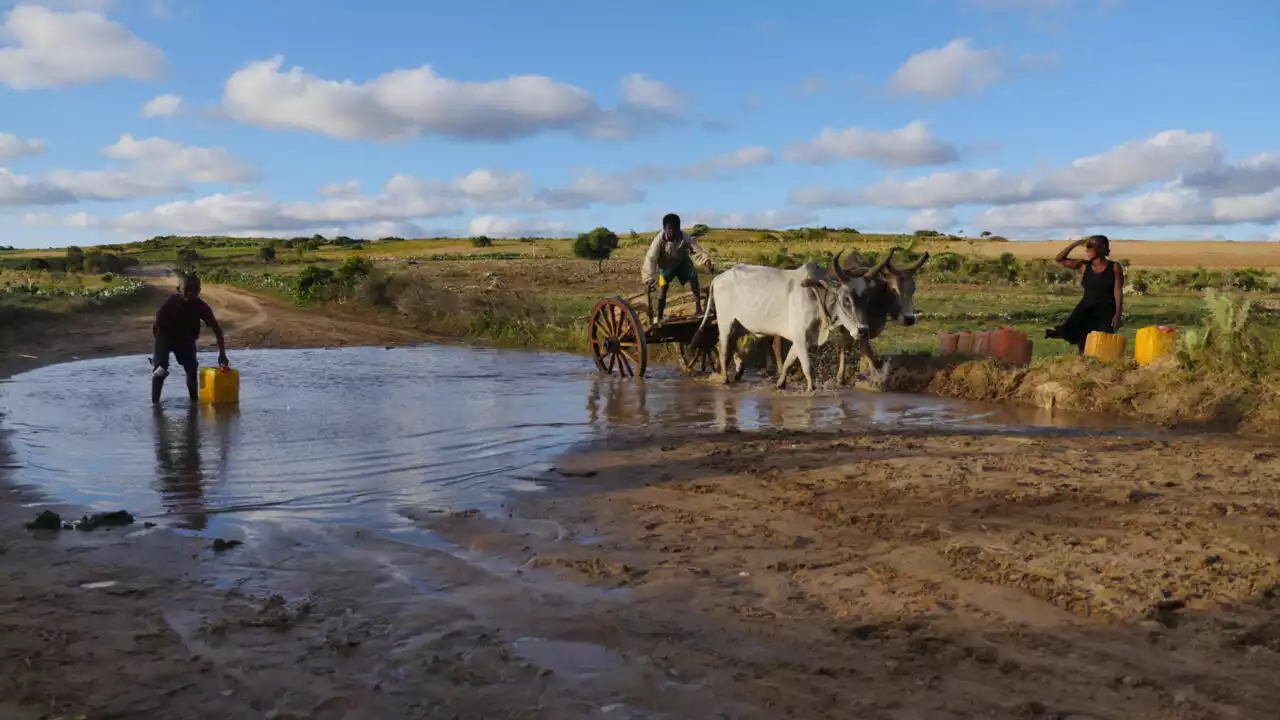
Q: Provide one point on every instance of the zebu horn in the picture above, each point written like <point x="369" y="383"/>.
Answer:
<point x="841" y="275"/>
<point x="881" y="265"/>
<point x="919" y="264"/>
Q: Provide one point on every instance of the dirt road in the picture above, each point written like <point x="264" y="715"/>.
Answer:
<point x="670" y="574"/>
<point x="247" y="320"/>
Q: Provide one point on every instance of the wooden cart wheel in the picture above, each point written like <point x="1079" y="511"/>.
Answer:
<point x="617" y="339"/>
<point x="699" y="357"/>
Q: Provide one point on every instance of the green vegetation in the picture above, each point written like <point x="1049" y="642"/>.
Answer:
<point x="538" y="292"/>
<point x="596" y="245"/>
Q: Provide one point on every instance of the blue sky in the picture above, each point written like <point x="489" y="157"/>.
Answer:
<point x="1030" y="118"/>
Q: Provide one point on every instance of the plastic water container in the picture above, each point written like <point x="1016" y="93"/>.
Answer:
<point x="1010" y="345"/>
<point x="947" y="342"/>
<point x="1108" y="347"/>
<point x="1153" y="343"/>
<point x="982" y="343"/>
<point x="219" y="386"/>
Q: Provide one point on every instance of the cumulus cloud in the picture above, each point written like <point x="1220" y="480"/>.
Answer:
<point x="13" y="147"/>
<point x="153" y="167"/>
<point x="1172" y="206"/>
<point x="20" y="190"/>
<point x="162" y="106"/>
<point x="586" y="189"/>
<point x="950" y="71"/>
<point x="912" y="145"/>
<point x="1161" y="157"/>
<point x="941" y="219"/>
<point x="650" y="96"/>
<point x="43" y="48"/>
<point x="762" y="219"/>
<point x="728" y="164"/>
<point x="1256" y="174"/>
<point x="405" y="103"/>
<point x="505" y="227"/>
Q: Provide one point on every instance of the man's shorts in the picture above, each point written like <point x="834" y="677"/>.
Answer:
<point x="683" y="272"/>
<point x="184" y="351"/>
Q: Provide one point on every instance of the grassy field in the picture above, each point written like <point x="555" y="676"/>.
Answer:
<point x="533" y="292"/>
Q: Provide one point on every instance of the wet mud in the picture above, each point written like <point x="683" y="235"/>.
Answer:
<point x="443" y="533"/>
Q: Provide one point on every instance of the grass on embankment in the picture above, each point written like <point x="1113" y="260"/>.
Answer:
<point x="533" y="293"/>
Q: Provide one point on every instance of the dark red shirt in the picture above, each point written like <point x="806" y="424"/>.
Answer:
<point x="180" y="320"/>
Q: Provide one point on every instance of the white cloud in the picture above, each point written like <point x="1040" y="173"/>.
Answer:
<point x="43" y="48"/>
<point x="493" y="186"/>
<point x="589" y="188"/>
<point x="174" y="161"/>
<point x="162" y="106"/>
<point x="908" y="146"/>
<point x="405" y="103"/>
<point x="13" y="147"/>
<point x="20" y="190"/>
<point x="1172" y="206"/>
<point x="940" y="219"/>
<point x="774" y="219"/>
<point x="728" y="163"/>
<point x="390" y="228"/>
<point x="154" y="167"/>
<point x="342" y="189"/>
<point x="1256" y="174"/>
<point x="494" y="226"/>
<point x="650" y="96"/>
<point x="1161" y="157"/>
<point x="947" y="72"/>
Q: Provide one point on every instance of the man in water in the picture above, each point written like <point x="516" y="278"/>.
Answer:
<point x="669" y="258"/>
<point x="176" y="329"/>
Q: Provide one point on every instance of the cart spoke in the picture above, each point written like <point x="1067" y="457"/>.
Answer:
<point x="626" y="363"/>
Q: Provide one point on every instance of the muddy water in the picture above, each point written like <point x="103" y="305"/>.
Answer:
<point x="373" y="437"/>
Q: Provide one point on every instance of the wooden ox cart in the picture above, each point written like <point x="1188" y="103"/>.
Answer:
<point x="623" y="328"/>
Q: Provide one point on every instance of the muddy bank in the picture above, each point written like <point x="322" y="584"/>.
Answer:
<point x="917" y="574"/>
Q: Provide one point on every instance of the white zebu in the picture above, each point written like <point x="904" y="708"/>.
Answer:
<point x="785" y="303"/>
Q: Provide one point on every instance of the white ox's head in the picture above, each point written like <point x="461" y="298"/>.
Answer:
<point x="898" y="283"/>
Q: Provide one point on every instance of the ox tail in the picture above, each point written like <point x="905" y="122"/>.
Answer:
<point x="706" y="312"/>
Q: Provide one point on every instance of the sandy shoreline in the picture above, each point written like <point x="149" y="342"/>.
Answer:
<point x="876" y="574"/>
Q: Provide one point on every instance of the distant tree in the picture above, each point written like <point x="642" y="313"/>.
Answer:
<point x="986" y="233"/>
<point x="38" y="264"/>
<point x="75" y="259"/>
<point x="926" y="233"/>
<point x="596" y="245"/>
<point x="318" y="239"/>
<point x="699" y="230"/>
<point x="481" y="241"/>
<point x="267" y="254"/>
<point x="188" y="258"/>
<point x="314" y="245"/>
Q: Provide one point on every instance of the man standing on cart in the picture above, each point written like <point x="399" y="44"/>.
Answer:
<point x="671" y="256"/>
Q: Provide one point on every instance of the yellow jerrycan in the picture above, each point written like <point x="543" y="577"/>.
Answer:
<point x="219" y="386"/>
<point x="1153" y="343"/>
<point x="1104" y="346"/>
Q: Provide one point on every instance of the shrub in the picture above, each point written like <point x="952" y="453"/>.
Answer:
<point x="310" y="283"/>
<point x="927" y="233"/>
<point x="353" y="270"/>
<point x="596" y="245"/>
<point x="699" y="230"/>
<point x="481" y="241"/>
<point x="267" y="254"/>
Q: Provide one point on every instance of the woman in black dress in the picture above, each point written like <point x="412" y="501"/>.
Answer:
<point x="1103" y="284"/>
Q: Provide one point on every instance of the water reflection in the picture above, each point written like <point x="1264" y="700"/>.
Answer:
<point x="364" y="435"/>
<point x="181" y="478"/>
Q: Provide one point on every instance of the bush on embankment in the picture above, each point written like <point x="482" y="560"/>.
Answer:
<point x="1225" y="375"/>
